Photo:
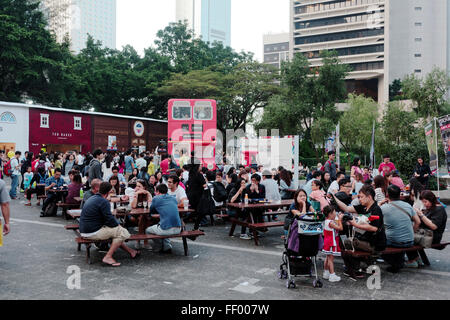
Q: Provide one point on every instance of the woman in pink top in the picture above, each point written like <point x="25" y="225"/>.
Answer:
<point x="395" y="179"/>
<point x="318" y="194"/>
<point x="356" y="168"/>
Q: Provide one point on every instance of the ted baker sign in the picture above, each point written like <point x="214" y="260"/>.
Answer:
<point x="61" y="135"/>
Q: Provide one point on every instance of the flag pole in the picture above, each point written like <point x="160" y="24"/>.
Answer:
<point x="437" y="158"/>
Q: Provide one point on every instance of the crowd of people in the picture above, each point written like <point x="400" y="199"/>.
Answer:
<point x="380" y="219"/>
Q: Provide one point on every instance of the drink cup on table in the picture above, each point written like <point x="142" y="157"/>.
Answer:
<point x="186" y="204"/>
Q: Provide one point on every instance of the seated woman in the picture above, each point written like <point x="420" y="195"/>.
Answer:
<point x="434" y="218"/>
<point x="318" y="194"/>
<point x="300" y="207"/>
<point x="141" y="194"/>
<point x="116" y="189"/>
<point x="394" y="178"/>
<point x="74" y="189"/>
<point x="133" y="177"/>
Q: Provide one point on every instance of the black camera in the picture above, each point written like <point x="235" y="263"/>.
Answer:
<point x="347" y="217"/>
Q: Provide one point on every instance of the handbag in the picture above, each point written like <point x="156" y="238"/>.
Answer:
<point x="423" y="237"/>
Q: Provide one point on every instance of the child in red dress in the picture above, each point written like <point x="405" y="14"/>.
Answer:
<point x="331" y="242"/>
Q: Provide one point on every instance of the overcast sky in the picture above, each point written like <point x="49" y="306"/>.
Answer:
<point x="139" y="20"/>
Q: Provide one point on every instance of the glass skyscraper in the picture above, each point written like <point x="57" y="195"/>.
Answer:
<point x="210" y="19"/>
<point x="78" y="18"/>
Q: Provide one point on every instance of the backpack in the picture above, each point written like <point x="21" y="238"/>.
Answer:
<point x="7" y="170"/>
<point x="220" y="194"/>
<point x="323" y="167"/>
<point x="40" y="165"/>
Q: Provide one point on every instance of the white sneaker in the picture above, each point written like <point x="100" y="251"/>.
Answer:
<point x="326" y="274"/>
<point x="334" y="278"/>
<point x="245" y="236"/>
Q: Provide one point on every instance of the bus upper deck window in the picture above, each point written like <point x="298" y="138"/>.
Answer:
<point x="181" y="110"/>
<point x="203" y="110"/>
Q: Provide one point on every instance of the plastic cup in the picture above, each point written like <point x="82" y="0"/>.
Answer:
<point x="186" y="204"/>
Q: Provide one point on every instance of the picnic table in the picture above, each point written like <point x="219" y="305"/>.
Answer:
<point x="250" y="223"/>
<point x="142" y="213"/>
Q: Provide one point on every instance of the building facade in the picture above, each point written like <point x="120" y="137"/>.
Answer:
<point x="276" y="49"/>
<point x="381" y="40"/>
<point x="78" y="18"/>
<point x="210" y="19"/>
<point x="30" y="127"/>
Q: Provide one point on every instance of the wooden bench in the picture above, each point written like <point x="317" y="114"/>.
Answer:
<point x="193" y="234"/>
<point x="254" y="227"/>
<point x="389" y="250"/>
<point x="66" y="206"/>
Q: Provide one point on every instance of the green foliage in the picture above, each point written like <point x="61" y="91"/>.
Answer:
<point x="400" y="126"/>
<point x="356" y="124"/>
<point x="395" y="90"/>
<point x="429" y="94"/>
<point x="306" y="95"/>
<point x="31" y="62"/>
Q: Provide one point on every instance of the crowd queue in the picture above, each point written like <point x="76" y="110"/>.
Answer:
<point x="381" y="219"/>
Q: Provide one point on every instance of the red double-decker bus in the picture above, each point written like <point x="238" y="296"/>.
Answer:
<point x="192" y="126"/>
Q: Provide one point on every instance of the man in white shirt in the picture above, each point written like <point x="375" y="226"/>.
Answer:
<point x="140" y="162"/>
<point x="334" y="186"/>
<point x="176" y="190"/>
<point x="15" y="168"/>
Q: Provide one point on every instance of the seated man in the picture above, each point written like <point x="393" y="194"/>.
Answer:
<point x="345" y="190"/>
<point x="95" y="186"/>
<point x="169" y="218"/>
<point x="176" y="190"/>
<point x="55" y="181"/>
<point x="370" y="235"/>
<point x="97" y="223"/>
<point x="399" y="217"/>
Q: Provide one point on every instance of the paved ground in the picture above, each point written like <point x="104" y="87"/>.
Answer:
<point x="38" y="251"/>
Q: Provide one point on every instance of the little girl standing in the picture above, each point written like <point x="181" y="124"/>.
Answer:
<point x="331" y="243"/>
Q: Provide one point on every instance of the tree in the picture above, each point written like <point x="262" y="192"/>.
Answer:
<point x="395" y="90"/>
<point x="187" y="53"/>
<point x="322" y="128"/>
<point x="31" y="62"/>
<point x="308" y="94"/>
<point x="429" y="94"/>
<point x="356" y="124"/>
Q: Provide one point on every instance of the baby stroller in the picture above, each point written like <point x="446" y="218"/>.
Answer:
<point x="302" y="244"/>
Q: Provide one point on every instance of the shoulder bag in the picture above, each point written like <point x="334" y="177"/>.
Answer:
<point x="422" y="237"/>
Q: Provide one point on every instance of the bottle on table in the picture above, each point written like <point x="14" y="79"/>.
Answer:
<point x="246" y="199"/>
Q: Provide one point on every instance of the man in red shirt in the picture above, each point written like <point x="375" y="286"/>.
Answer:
<point x="386" y="166"/>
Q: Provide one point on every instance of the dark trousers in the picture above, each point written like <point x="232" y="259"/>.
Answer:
<point x="50" y="198"/>
<point x="396" y="260"/>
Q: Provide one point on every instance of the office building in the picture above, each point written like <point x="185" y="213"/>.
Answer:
<point x="381" y="40"/>
<point x="210" y="19"/>
<point x="276" y="49"/>
<point x="78" y="18"/>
